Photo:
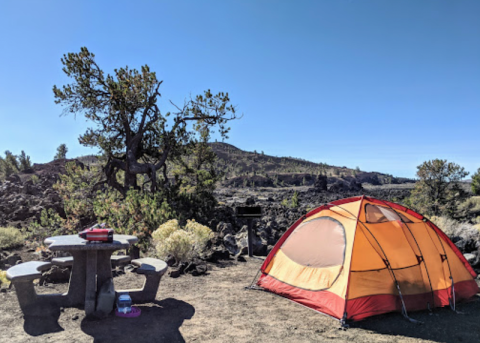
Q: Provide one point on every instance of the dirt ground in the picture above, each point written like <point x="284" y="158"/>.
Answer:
<point x="217" y="308"/>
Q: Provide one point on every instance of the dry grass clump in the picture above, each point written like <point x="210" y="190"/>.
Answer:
<point x="453" y="228"/>
<point x="3" y="278"/>
<point x="10" y="237"/>
<point x="182" y="243"/>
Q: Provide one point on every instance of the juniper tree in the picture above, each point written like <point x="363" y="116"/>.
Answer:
<point x="9" y="165"/>
<point x="136" y="137"/>
<point x="24" y="161"/>
<point x="61" y="152"/>
<point x="476" y="182"/>
<point x="438" y="190"/>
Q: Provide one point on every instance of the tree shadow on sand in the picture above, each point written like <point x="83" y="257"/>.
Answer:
<point x="443" y="325"/>
<point x="159" y="322"/>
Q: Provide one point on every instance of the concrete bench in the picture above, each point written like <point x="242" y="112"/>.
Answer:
<point x="116" y="260"/>
<point x="22" y="276"/>
<point x="153" y="269"/>
<point x="27" y="271"/>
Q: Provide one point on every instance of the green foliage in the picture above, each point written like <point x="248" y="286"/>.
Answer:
<point x="9" y="164"/>
<point x="35" y="179"/>
<point x="3" y="278"/>
<point x="51" y="219"/>
<point x="128" y="126"/>
<point x="61" y="152"/>
<point x="10" y="237"/>
<point x="50" y="223"/>
<point x="469" y="209"/>
<point x="77" y="189"/>
<point x="454" y="228"/>
<point x="182" y="243"/>
<point x="137" y="214"/>
<point x="476" y="182"/>
<point x="294" y="201"/>
<point x="438" y="192"/>
<point x="24" y="161"/>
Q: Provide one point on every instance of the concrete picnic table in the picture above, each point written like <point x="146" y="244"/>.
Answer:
<point x="91" y="265"/>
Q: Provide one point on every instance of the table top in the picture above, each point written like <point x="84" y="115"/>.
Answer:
<point x="74" y="242"/>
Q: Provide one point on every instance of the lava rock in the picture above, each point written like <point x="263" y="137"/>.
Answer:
<point x="470" y="257"/>
<point x="466" y="245"/>
<point x="170" y="261"/>
<point x="13" y="259"/>
<point x="56" y="274"/>
<point x="216" y="254"/>
<point x="230" y="243"/>
<point x="321" y="183"/>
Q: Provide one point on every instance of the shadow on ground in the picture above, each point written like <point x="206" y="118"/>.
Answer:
<point x="159" y="322"/>
<point x="45" y="322"/>
<point x="443" y="325"/>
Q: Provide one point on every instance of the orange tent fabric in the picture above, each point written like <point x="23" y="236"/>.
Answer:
<point x="358" y="257"/>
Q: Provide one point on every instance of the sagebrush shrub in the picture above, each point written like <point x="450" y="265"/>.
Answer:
<point x="201" y="234"/>
<point x="453" y="228"/>
<point x="182" y="243"/>
<point x="10" y="237"/>
<point x="165" y="230"/>
<point x="3" y="278"/>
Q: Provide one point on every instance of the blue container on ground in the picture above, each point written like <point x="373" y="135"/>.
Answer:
<point x="124" y="303"/>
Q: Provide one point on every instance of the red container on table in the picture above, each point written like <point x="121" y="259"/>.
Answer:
<point x="97" y="235"/>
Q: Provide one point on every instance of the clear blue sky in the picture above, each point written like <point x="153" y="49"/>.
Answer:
<point x="383" y="85"/>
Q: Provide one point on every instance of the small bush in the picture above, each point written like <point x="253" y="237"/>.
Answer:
<point x="138" y="214"/>
<point x="453" y="228"/>
<point x="294" y="201"/>
<point x="182" y="243"/>
<point x="470" y="208"/>
<point x="165" y="230"/>
<point x="10" y="238"/>
<point x="3" y="278"/>
<point x="476" y="182"/>
<point x="200" y="234"/>
<point x="179" y="244"/>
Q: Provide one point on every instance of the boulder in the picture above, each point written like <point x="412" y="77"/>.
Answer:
<point x="466" y="245"/>
<point x="321" y="183"/>
<point x="13" y="259"/>
<point x="342" y="186"/>
<point x="259" y="246"/>
<point x="470" y="257"/>
<point x="224" y="229"/>
<point x="216" y="254"/>
<point x="56" y="274"/>
<point x="230" y="243"/>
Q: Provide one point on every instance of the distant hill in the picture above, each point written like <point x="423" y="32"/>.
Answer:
<point x="244" y="168"/>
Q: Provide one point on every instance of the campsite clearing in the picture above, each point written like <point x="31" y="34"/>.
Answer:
<point x="217" y="308"/>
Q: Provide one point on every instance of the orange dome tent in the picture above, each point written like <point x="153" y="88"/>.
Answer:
<point x="359" y="257"/>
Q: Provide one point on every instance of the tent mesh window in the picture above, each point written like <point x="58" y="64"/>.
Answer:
<point x="380" y="214"/>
